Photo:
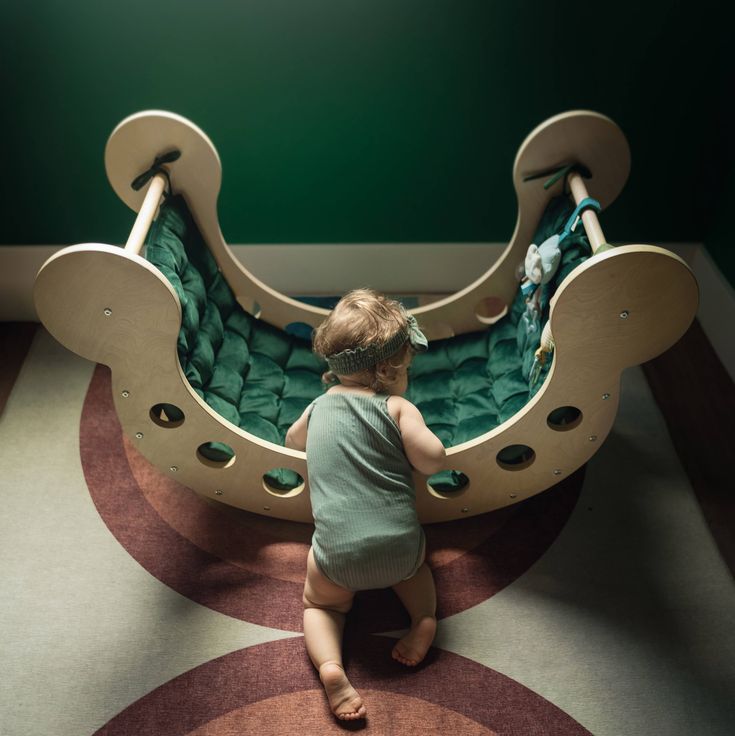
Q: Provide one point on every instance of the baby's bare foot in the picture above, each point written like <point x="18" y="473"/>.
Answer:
<point x="412" y="648"/>
<point x="344" y="700"/>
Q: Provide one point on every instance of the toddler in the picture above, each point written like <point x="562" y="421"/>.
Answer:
<point x="362" y="441"/>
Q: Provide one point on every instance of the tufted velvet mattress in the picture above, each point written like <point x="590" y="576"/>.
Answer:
<point x="261" y="378"/>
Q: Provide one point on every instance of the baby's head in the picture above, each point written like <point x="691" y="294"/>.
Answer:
<point x="369" y="340"/>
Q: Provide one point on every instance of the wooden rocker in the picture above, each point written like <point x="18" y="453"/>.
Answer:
<point x="210" y="365"/>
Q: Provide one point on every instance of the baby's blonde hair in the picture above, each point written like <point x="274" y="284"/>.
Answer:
<point x="365" y="317"/>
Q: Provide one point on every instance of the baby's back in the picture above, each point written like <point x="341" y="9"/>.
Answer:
<point x="366" y="533"/>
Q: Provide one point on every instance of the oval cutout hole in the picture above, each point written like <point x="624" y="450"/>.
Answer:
<point x="168" y="416"/>
<point x="564" y="418"/>
<point x="515" y="457"/>
<point x="283" y="482"/>
<point x="216" y="455"/>
<point x="490" y="310"/>
<point x="448" y="484"/>
<point x="300" y="330"/>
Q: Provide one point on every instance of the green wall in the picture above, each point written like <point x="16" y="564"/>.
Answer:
<point x="362" y="121"/>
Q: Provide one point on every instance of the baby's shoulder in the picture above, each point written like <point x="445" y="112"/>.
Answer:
<point x="397" y="404"/>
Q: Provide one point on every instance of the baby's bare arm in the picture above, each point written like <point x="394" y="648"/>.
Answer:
<point x="296" y="435"/>
<point x="424" y="449"/>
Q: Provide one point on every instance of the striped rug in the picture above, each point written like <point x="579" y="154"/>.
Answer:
<point x="130" y="605"/>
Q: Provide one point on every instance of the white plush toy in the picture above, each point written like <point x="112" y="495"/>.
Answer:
<point x="542" y="261"/>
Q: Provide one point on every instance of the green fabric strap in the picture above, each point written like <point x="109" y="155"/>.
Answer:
<point x="586" y="204"/>
<point x="558" y="173"/>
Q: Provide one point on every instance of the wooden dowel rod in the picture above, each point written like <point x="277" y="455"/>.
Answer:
<point x="589" y="217"/>
<point x="146" y="214"/>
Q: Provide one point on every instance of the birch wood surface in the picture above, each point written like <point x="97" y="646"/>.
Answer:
<point x="618" y="309"/>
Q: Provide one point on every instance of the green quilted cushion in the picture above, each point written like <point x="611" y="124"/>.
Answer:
<point x="262" y="378"/>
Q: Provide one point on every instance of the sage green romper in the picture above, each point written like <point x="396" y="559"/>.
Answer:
<point x="367" y="534"/>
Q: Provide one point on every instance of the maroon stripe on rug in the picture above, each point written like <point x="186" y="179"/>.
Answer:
<point x="159" y="548"/>
<point x="697" y="398"/>
<point x="15" y="342"/>
<point x="252" y="567"/>
<point x="523" y="533"/>
<point x="273" y="689"/>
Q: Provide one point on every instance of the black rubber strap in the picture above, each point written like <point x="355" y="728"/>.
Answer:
<point x="157" y="168"/>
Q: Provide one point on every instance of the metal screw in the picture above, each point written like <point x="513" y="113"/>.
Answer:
<point x="557" y="471"/>
<point x="125" y="394"/>
<point x="605" y="397"/>
<point x="173" y="468"/>
<point x="139" y="435"/>
<point x="108" y="312"/>
<point x="624" y="314"/>
<point x="266" y="508"/>
<point x="592" y="438"/>
<point x="218" y="493"/>
<point x="465" y="509"/>
<point x="513" y="495"/>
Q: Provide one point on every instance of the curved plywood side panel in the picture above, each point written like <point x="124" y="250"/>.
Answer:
<point x="173" y="447"/>
<point x="114" y="308"/>
<point x="197" y="174"/>
<point x="557" y="454"/>
<point x="618" y="309"/>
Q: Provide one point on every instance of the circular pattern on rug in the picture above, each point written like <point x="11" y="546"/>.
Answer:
<point x="273" y="689"/>
<point x="252" y="567"/>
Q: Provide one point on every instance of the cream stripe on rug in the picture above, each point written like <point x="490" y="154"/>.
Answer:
<point x="85" y="631"/>
<point x="626" y="623"/>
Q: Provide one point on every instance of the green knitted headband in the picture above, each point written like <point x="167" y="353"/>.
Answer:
<point x="354" y="361"/>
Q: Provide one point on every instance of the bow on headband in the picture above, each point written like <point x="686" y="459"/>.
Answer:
<point x="354" y="361"/>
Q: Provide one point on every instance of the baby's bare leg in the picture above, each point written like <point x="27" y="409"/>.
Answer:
<point x="418" y="595"/>
<point x="325" y="606"/>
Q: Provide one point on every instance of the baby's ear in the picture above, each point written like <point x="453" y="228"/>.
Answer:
<point x="329" y="378"/>
<point x="382" y="369"/>
<point x="385" y="372"/>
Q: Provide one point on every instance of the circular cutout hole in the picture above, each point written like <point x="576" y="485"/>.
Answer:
<point x="283" y="482"/>
<point x="515" y="457"/>
<point x="216" y="455"/>
<point x="564" y="418"/>
<point x="448" y="484"/>
<point x="300" y="330"/>
<point x="168" y="416"/>
<point x="490" y="310"/>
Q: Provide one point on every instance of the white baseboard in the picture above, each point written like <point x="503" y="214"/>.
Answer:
<point x="408" y="268"/>
<point x="299" y="270"/>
